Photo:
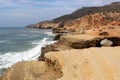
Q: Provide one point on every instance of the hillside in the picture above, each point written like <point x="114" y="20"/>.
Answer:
<point x="96" y="21"/>
<point x="115" y="6"/>
<point x="61" y="21"/>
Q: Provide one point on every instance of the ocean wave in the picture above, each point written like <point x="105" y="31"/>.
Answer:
<point x="22" y="34"/>
<point x="35" y="42"/>
<point x="8" y="59"/>
<point x="3" y="41"/>
<point x="49" y="33"/>
<point x="8" y="41"/>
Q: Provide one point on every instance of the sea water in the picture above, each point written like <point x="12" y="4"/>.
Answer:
<point x="22" y="44"/>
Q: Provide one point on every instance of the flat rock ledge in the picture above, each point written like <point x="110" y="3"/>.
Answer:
<point x="84" y="64"/>
<point x="87" y="41"/>
<point x="67" y="42"/>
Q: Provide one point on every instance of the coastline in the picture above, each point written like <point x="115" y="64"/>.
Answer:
<point x="31" y="45"/>
<point x="86" y="48"/>
<point x="61" y="60"/>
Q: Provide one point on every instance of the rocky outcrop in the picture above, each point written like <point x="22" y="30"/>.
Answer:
<point x="45" y="25"/>
<point x="81" y="41"/>
<point x="87" y="64"/>
<point x="87" y="41"/>
<point x="97" y="21"/>
<point x="52" y="48"/>
<point x="33" y="26"/>
<point x="46" y="49"/>
<point x="34" y="70"/>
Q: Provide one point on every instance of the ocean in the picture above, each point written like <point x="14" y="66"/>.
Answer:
<point x="22" y="44"/>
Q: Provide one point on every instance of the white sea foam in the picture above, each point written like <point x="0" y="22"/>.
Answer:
<point x="35" y="42"/>
<point x="22" y="35"/>
<point x="49" y="33"/>
<point x="8" y="59"/>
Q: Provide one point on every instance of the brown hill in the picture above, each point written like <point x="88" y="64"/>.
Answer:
<point x="115" y="6"/>
<point x="97" y="21"/>
<point x="61" y="21"/>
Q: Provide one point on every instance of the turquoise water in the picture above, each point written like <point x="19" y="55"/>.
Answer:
<point x="21" y="44"/>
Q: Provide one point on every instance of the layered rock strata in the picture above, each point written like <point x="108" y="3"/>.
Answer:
<point x="44" y="25"/>
<point x="96" y="21"/>
<point x="81" y="41"/>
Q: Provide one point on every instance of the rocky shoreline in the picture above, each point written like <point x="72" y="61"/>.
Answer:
<point x="87" y="48"/>
<point x="68" y="42"/>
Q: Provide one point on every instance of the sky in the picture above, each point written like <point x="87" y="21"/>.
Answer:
<point x="19" y="13"/>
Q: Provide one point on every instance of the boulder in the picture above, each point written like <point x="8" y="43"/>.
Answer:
<point x="106" y="42"/>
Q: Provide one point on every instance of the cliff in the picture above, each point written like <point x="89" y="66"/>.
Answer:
<point x="87" y="32"/>
<point x="44" y="25"/>
<point x="93" y="21"/>
<point x="61" y="21"/>
<point x="86" y="64"/>
<point x="90" y="38"/>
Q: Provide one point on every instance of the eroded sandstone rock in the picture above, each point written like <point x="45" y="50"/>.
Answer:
<point x="35" y="70"/>
<point x="70" y="65"/>
<point x="51" y="48"/>
<point x="97" y="20"/>
<point x="44" y="25"/>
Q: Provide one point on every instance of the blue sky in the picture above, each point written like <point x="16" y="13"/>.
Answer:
<point x="19" y="13"/>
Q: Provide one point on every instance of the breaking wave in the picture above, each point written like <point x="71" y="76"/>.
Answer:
<point x="10" y="58"/>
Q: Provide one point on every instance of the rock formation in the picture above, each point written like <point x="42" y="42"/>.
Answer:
<point x="44" y="25"/>
<point x="97" y="21"/>
<point x="86" y="64"/>
<point x="81" y="41"/>
<point x="34" y="70"/>
<point x="52" y="48"/>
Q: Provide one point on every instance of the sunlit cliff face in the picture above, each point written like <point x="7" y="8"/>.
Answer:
<point x="96" y="20"/>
